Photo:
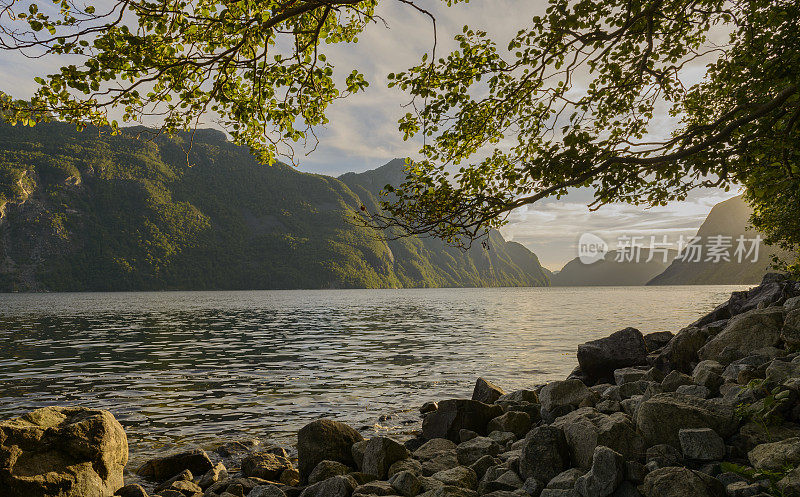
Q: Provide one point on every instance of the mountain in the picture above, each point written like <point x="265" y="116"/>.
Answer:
<point x="609" y="272"/>
<point x="91" y="211"/>
<point x="731" y="219"/>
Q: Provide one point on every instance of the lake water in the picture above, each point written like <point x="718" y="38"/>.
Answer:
<point x="203" y="367"/>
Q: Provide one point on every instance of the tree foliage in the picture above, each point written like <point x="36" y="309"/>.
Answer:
<point x="570" y="101"/>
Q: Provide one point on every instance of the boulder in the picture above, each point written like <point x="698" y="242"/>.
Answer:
<point x="681" y="352"/>
<point x="544" y="454"/>
<point x="681" y="482"/>
<point x="516" y="396"/>
<point x="599" y="358"/>
<point x="162" y="468"/>
<point x="487" y="392"/>
<point x="458" y="414"/>
<point x="472" y="450"/>
<point x="560" y="394"/>
<point x="747" y="332"/>
<point x="266" y="491"/>
<point x="662" y="456"/>
<point x="660" y="417"/>
<point x="675" y="379"/>
<point x="656" y="340"/>
<point x="265" y="465"/>
<point x="322" y="440"/>
<point x="776" y="456"/>
<point x="459" y="476"/>
<point x="790" y="484"/>
<point x="379" y="455"/>
<point x="373" y="488"/>
<point x="324" y="470"/>
<point x="607" y="472"/>
<point x="213" y="475"/>
<point x="701" y="444"/>
<point x="516" y="422"/>
<point x="586" y="429"/>
<point x="337" y="486"/>
<point x="628" y="375"/>
<point x="406" y="483"/>
<point x="62" y="451"/>
<point x="791" y="328"/>
<point x="132" y="490"/>
<point x="708" y="373"/>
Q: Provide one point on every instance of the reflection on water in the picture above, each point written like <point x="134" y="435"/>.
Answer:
<point x="198" y="367"/>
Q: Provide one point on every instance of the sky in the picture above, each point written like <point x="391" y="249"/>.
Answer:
<point x="362" y="133"/>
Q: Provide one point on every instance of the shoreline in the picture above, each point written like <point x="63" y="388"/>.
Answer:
<point x="601" y="431"/>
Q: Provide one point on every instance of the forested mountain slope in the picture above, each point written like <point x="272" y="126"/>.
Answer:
<point x="91" y="211"/>
<point x="728" y="219"/>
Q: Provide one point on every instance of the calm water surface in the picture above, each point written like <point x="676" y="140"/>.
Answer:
<point x="203" y="367"/>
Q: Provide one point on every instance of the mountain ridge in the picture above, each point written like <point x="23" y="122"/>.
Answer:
<point x="91" y="211"/>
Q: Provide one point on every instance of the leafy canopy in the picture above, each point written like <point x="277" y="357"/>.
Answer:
<point x="568" y="102"/>
<point x="571" y="103"/>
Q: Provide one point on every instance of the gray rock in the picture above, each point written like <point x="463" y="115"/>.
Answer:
<point x="557" y="492"/>
<point x="566" y="479"/>
<point x="681" y="352"/>
<point x="459" y="476"/>
<point x="529" y="396"/>
<point x="483" y="464"/>
<point x="375" y="487"/>
<point x="628" y="390"/>
<point x="681" y="482"/>
<point x="132" y="490"/>
<point x="660" y="418"/>
<point x="458" y="414"/>
<point x="743" y="489"/>
<point x="184" y="475"/>
<point x="323" y="471"/>
<point x="266" y="491"/>
<point x="466" y="435"/>
<point x="694" y="390"/>
<point x="545" y="453"/>
<point x="598" y="359"/>
<point x="213" y="475"/>
<point x="325" y="440"/>
<point x="790" y="333"/>
<point x="567" y="393"/>
<point x="337" y="486"/>
<point x="265" y="465"/>
<point x="747" y="332"/>
<point x="607" y="472"/>
<point x="776" y="456"/>
<point x="779" y="371"/>
<point x="487" y="392"/>
<point x="357" y="450"/>
<point x="701" y="444"/>
<point x="708" y="373"/>
<point x="518" y="423"/>
<point x="662" y="456"/>
<point x="657" y="340"/>
<point x="162" y="468"/>
<point x="410" y="465"/>
<point x="428" y="407"/>
<point x="380" y="453"/>
<point x="533" y="487"/>
<point x="790" y="484"/>
<point x="627" y="375"/>
<point x="406" y="483"/>
<point x="586" y="429"/>
<point x="472" y="450"/>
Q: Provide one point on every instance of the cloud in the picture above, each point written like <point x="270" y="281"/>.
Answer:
<point x="551" y="228"/>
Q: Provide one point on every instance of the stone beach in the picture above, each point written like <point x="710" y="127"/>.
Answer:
<point x="712" y="410"/>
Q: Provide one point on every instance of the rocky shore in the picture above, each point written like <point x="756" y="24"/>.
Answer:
<point x="711" y="411"/>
